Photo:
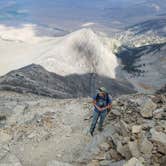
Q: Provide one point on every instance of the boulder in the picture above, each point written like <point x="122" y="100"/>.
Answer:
<point x="4" y="149"/>
<point x="118" y="163"/>
<point x="115" y="138"/>
<point x="160" y="139"/>
<point x="100" y="157"/>
<point x="104" y="146"/>
<point x="17" y="115"/>
<point x="107" y="156"/>
<point x="136" y="129"/>
<point x="124" y="128"/>
<point x="133" y="147"/>
<point x="160" y="113"/>
<point x="125" y="140"/>
<point x="123" y="150"/>
<point x="161" y="148"/>
<point x="57" y="163"/>
<point x="133" y="162"/>
<point x="147" y="108"/>
<point x="146" y="146"/>
<point x="116" y="112"/>
<point x="4" y="137"/>
<point x="10" y="160"/>
<point x="105" y="163"/>
<point x="114" y="155"/>
<point x="148" y="124"/>
<point x="93" y="163"/>
<point x="163" y="161"/>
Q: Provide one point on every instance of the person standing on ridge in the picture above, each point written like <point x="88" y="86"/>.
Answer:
<point x="102" y="102"/>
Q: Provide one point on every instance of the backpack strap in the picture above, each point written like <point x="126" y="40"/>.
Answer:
<point x="107" y="98"/>
<point x="97" y="97"/>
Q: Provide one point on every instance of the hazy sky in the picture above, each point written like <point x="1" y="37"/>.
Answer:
<point x="70" y="13"/>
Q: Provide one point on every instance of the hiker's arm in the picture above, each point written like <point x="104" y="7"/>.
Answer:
<point x="108" y="106"/>
<point x="94" y="103"/>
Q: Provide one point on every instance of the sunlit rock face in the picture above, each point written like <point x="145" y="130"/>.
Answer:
<point x="81" y="52"/>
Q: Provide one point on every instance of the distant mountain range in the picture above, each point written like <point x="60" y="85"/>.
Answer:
<point x="142" y="54"/>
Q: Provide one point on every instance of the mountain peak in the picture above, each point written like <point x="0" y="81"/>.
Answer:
<point x="80" y="52"/>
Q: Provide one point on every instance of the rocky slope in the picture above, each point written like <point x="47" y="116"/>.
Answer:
<point x="42" y="131"/>
<point x="35" y="79"/>
<point x="135" y="131"/>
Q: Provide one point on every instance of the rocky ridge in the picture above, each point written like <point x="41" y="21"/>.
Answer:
<point x="137" y="127"/>
<point x="36" y="79"/>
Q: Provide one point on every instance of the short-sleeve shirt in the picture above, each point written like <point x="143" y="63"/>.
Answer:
<point x="102" y="101"/>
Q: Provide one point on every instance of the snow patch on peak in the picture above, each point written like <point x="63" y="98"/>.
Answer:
<point x="87" y="24"/>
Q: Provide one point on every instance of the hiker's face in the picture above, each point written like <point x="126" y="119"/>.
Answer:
<point x="102" y="94"/>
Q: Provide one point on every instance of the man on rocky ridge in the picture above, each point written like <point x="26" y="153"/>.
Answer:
<point x="102" y="102"/>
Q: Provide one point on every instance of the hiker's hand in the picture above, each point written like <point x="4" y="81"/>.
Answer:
<point x="102" y="109"/>
<point x="98" y="108"/>
<point x="110" y="107"/>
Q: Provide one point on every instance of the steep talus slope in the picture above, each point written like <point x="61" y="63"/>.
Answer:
<point x="135" y="130"/>
<point x="35" y="79"/>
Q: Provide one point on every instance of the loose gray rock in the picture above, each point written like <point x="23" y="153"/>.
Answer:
<point x="133" y="162"/>
<point x="10" y="160"/>
<point x="57" y="163"/>
<point x="133" y="147"/>
<point x="158" y="137"/>
<point x="146" y="146"/>
<point x="147" y="108"/>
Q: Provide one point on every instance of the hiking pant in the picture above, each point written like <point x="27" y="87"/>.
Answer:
<point x="96" y="115"/>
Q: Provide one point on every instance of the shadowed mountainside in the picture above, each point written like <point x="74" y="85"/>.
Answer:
<point x="145" y="66"/>
<point x="35" y="79"/>
<point x="130" y="56"/>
